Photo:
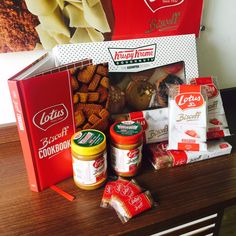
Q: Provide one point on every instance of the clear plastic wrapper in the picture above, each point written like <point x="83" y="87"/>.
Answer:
<point x="135" y="205"/>
<point x="161" y="158"/>
<point x="110" y="187"/>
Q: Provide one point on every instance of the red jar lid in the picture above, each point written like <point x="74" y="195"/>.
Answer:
<point x="126" y="132"/>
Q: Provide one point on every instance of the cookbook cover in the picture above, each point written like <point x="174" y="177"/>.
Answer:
<point x="25" y="25"/>
<point x="49" y="108"/>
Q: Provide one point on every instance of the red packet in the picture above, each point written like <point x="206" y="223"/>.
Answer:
<point x="110" y="188"/>
<point x="217" y="123"/>
<point x="133" y="206"/>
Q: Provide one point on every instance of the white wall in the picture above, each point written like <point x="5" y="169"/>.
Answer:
<point x="217" y="44"/>
<point x="10" y="64"/>
<point x="216" y="53"/>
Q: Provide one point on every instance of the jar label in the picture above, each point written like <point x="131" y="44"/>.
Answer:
<point x="90" y="172"/>
<point x="89" y="138"/>
<point x="127" y="128"/>
<point x="126" y="161"/>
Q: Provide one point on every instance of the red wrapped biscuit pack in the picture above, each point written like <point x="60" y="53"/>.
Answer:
<point x="217" y="123"/>
<point x="127" y="209"/>
<point x="127" y="198"/>
<point x="109" y="189"/>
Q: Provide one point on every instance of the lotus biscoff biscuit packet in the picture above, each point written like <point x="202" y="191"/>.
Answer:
<point x="217" y="122"/>
<point x="187" y="118"/>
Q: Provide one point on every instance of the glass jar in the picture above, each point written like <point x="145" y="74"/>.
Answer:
<point x="126" y="147"/>
<point x="89" y="159"/>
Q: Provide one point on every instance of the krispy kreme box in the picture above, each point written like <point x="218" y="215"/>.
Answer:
<point x="135" y="55"/>
<point x="139" y="69"/>
<point x="50" y="106"/>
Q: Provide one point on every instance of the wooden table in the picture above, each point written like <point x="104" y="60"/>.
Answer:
<point x="184" y="194"/>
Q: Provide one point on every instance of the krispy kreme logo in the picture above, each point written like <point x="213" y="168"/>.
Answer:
<point x="155" y="5"/>
<point x="189" y="100"/>
<point x="50" y="116"/>
<point x="125" y="56"/>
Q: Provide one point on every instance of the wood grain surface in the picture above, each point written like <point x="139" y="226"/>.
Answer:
<point x="183" y="193"/>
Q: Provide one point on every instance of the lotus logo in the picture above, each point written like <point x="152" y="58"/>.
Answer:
<point x="124" y="56"/>
<point x="50" y="116"/>
<point x="155" y="5"/>
<point x="133" y="153"/>
<point x="98" y="163"/>
<point x="189" y="100"/>
<point x="211" y="90"/>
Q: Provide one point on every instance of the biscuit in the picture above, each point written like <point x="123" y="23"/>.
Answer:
<point x="102" y="125"/>
<point x="79" y="118"/>
<point x="93" y="119"/>
<point x="83" y="97"/>
<point x="75" y="98"/>
<point x="74" y="83"/>
<point x="94" y="83"/>
<point x="93" y="97"/>
<point x="105" y="82"/>
<point x="103" y="94"/>
<point x="102" y="70"/>
<point x="87" y="126"/>
<point x="83" y="88"/>
<point x="90" y="109"/>
<point x="86" y="74"/>
<point x="104" y="114"/>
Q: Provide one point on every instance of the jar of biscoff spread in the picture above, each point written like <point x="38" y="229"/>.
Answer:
<point x="126" y="147"/>
<point x="89" y="158"/>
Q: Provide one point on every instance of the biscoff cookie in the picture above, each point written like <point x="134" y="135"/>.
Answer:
<point x="104" y="114"/>
<point x="75" y="98"/>
<point x="93" y="97"/>
<point x="102" y="124"/>
<point x="102" y="70"/>
<point x="79" y="118"/>
<point x="90" y="109"/>
<point x="105" y="82"/>
<point x="87" y="126"/>
<point x="83" y="88"/>
<point x="83" y="97"/>
<point x="86" y="74"/>
<point x="94" y="83"/>
<point x="103" y="93"/>
<point x="93" y="119"/>
<point x="74" y="83"/>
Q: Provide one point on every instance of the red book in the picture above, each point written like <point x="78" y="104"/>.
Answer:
<point x="44" y="112"/>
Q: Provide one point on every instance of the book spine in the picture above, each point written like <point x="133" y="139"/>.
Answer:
<point x="21" y="119"/>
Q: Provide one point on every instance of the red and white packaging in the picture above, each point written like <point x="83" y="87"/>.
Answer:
<point x="217" y="122"/>
<point x="133" y="206"/>
<point x="154" y="18"/>
<point x="187" y="118"/>
<point x="109" y="190"/>
<point x="154" y="123"/>
<point x="44" y="112"/>
<point x="162" y="158"/>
